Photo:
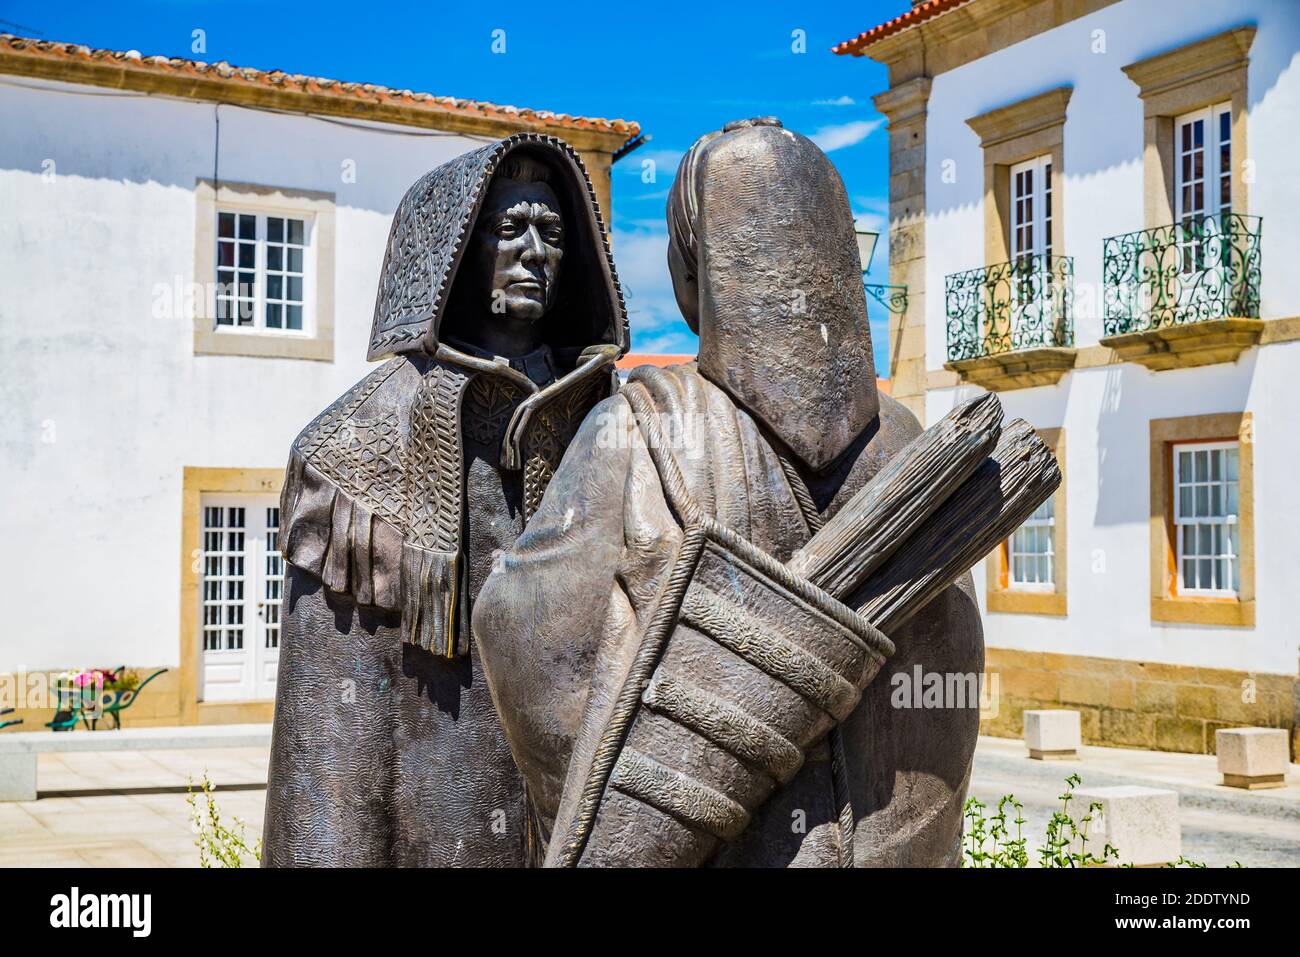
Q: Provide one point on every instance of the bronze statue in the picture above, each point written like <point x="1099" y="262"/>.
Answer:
<point x="673" y="689"/>
<point x="499" y="300"/>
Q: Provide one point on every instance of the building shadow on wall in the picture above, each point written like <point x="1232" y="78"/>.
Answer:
<point x="1130" y="400"/>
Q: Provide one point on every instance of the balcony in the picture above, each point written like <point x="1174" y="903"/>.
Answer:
<point x="1183" y="295"/>
<point x="1009" y="325"/>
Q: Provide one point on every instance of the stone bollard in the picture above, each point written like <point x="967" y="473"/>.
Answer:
<point x="1252" y="758"/>
<point x="17" y="775"/>
<point x="1052" y="735"/>
<point x="1141" y="823"/>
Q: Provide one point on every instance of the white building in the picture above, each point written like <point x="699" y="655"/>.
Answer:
<point x="1090" y="207"/>
<point x="147" y="419"/>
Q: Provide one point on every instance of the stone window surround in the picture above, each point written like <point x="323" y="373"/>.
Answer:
<point x="319" y="345"/>
<point x="1166" y="604"/>
<point x="194" y="483"/>
<point x="1198" y="74"/>
<point x="999" y="598"/>
<point x="1019" y="131"/>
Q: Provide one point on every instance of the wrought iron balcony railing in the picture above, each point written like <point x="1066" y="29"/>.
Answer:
<point x="1199" y="269"/>
<point x="1024" y="304"/>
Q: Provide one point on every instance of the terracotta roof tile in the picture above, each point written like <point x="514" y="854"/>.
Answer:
<point x="918" y="14"/>
<point x="297" y="82"/>
<point x="634" y="359"/>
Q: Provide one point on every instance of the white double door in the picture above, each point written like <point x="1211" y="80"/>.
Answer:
<point x="241" y="582"/>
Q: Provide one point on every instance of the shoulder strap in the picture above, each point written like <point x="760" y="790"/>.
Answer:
<point x="846" y="821"/>
<point x="686" y="510"/>
<point x="799" y="488"/>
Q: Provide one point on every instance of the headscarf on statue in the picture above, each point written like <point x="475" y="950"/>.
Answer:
<point x="766" y="271"/>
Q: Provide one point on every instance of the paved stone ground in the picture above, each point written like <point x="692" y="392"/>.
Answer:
<point x="1220" y="825"/>
<point x="85" y="824"/>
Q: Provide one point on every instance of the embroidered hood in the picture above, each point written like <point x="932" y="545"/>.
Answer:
<point x="431" y="230"/>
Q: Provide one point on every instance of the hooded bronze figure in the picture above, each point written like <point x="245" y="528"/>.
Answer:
<point x="499" y="300"/>
<point x="658" y="550"/>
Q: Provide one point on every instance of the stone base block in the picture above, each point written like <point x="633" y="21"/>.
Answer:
<point x="1053" y="734"/>
<point x="1258" y="783"/>
<point x="1016" y="370"/>
<point x="1252" y="758"/>
<point x="1068" y="755"/>
<point x="18" y="776"/>
<point x="1141" y="823"/>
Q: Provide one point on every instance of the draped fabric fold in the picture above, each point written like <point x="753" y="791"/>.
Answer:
<point x="364" y="506"/>
<point x="351" y="550"/>
<point x="373" y="509"/>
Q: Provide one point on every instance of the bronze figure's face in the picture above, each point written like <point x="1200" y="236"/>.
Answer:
<point x="518" y="246"/>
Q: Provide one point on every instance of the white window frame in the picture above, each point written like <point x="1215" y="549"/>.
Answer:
<point x="316" y="341"/>
<point x="1227" y="521"/>
<point x="1213" y="170"/>
<point x="1035" y="281"/>
<point x="1035" y="521"/>
<point x="223" y="577"/>
<point x="260" y="215"/>
<point x="1038" y="203"/>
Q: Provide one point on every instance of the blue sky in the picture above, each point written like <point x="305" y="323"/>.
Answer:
<point x="678" y="69"/>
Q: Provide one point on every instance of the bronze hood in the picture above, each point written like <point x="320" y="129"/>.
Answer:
<point x="766" y="269"/>
<point x="428" y="238"/>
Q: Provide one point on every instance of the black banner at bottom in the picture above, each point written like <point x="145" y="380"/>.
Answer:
<point x="302" y="907"/>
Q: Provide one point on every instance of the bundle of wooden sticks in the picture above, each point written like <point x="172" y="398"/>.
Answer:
<point x="944" y="502"/>
<point x="936" y="508"/>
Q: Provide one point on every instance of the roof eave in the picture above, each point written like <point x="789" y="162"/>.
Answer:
<point x="858" y="46"/>
<point x="309" y="95"/>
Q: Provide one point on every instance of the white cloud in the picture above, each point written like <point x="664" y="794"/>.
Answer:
<point x="841" y="135"/>
<point x="837" y="101"/>
<point x="641" y="256"/>
<point x="665" y="163"/>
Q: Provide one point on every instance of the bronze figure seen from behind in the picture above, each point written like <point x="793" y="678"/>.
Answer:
<point x="729" y="756"/>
